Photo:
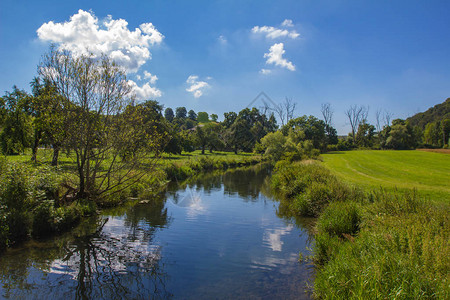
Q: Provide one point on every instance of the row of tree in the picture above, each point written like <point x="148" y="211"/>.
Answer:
<point x="398" y="134"/>
<point x="83" y="105"/>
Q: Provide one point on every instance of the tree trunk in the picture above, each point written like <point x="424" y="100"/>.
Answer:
<point x="55" y="155"/>
<point x="37" y="138"/>
<point x="203" y="149"/>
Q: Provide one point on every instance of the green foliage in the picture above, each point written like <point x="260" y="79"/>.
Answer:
<point x="307" y="187"/>
<point x="312" y="129"/>
<point x="15" y="122"/>
<point x="244" y="130"/>
<point x="365" y="135"/>
<point x="340" y="219"/>
<point x="28" y="198"/>
<point x="274" y="145"/>
<point x="15" y="194"/>
<point x="4" y="229"/>
<point x="400" y="255"/>
<point x="168" y="114"/>
<point x="180" y="112"/>
<point x="436" y="113"/>
<point x="378" y="244"/>
<point x="203" y="117"/>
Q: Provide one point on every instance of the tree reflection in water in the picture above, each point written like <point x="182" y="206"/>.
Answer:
<point x="245" y="182"/>
<point x="102" y="259"/>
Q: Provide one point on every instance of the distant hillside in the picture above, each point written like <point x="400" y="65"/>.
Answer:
<point x="436" y="113"/>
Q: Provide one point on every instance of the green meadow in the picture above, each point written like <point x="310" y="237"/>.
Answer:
<point x="427" y="172"/>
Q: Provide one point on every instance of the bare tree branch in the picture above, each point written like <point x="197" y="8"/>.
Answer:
<point x="327" y="113"/>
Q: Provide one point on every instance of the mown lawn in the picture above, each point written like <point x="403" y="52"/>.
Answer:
<point x="428" y="172"/>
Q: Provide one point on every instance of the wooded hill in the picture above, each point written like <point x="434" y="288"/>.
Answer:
<point x="438" y="112"/>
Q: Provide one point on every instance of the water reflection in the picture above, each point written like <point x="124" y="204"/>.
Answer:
<point x="219" y="235"/>
<point x="104" y="258"/>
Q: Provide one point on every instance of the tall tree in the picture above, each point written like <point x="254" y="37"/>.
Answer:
<point x="17" y="127"/>
<point x="180" y="112"/>
<point x="168" y="114"/>
<point x="203" y="117"/>
<point x="95" y="93"/>
<point x="192" y="115"/>
<point x="355" y="115"/>
<point x="285" y="110"/>
<point x="327" y="113"/>
<point x="214" y="117"/>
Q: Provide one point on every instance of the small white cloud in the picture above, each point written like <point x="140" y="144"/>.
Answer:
<point x="144" y="92"/>
<point x="265" y="71"/>
<point x="222" y="40"/>
<point x="196" y="87"/>
<point x="138" y="77"/>
<point x="274" y="33"/>
<point x="287" y="23"/>
<point x="148" y="75"/>
<point x="275" y="56"/>
<point x="85" y="33"/>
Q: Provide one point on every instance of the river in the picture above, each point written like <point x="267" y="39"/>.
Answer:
<point x="220" y="236"/>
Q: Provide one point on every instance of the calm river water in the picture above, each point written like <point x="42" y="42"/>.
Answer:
<point x="218" y="237"/>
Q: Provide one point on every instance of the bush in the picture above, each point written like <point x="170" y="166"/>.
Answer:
<point x="340" y="219"/>
<point x="15" y="197"/>
<point x="308" y="187"/>
<point x="43" y="219"/>
<point x="4" y="229"/>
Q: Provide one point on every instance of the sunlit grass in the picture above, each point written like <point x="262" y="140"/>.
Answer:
<point x="401" y="170"/>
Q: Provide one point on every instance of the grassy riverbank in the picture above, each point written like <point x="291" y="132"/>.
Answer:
<point x="372" y="240"/>
<point x="34" y="198"/>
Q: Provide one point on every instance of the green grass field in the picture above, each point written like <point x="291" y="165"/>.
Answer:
<point x="427" y="172"/>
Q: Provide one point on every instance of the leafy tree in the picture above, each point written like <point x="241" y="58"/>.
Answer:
<point x="432" y="135"/>
<point x="181" y="112"/>
<point x="313" y="129"/>
<point x="203" y="117"/>
<point x="168" y="114"/>
<point x="192" y="115"/>
<point x="213" y="132"/>
<point x="49" y="118"/>
<point x="200" y="138"/>
<point x="274" y="145"/>
<point x="99" y="130"/>
<point x="229" y="119"/>
<point x="17" y="130"/>
<point x="214" y="117"/>
<point x="399" y="135"/>
<point x="365" y="134"/>
<point x="331" y="133"/>
<point x="239" y="136"/>
<point x="445" y="131"/>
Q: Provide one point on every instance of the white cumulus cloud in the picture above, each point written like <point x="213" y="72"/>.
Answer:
<point x="287" y="23"/>
<point x="152" y="78"/>
<point x="145" y="92"/>
<point x="85" y="33"/>
<point x="273" y="32"/>
<point x="275" y="56"/>
<point x="196" y="87"/>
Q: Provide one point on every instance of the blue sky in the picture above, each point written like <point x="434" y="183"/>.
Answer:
<point x="217" y="56"/>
